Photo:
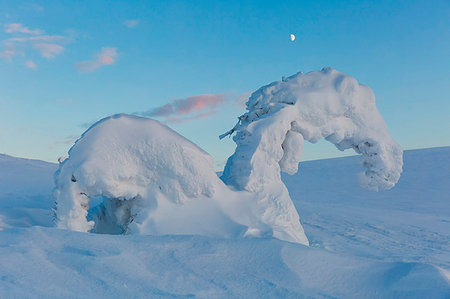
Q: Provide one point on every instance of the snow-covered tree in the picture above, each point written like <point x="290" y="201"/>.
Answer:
<point x="321" y="104"/>
<point x="129" y="174"/>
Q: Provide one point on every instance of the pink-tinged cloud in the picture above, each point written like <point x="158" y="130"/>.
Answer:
<point x="107" y="56"/>
<point x="17" y="27"/>
<point x="183" y="119"/>
<point x="131" y="23"/>
<point x="30" y="64"/>
<point x="48" y="50"/>
<point x="190" y="108"/>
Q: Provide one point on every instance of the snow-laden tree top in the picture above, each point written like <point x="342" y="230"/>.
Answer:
<point x="129" y="174"/>
<point x="321" y="104"/>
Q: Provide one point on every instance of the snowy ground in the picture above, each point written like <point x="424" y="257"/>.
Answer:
<point x="364" y="244"/>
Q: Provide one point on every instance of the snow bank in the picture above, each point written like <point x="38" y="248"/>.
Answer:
<point x="321" y="104"/>
<point x="129" y="174"/>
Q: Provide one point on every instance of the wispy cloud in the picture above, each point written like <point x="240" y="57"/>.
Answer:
<point x="131" y="23"/>
<point x="48" y="50"/>
<point x="190" y="108"/>
<point x="30" y="64"/>
<point x="22" y="39"/>
<point x="64" y="142"/>
<point x="107" y="56"/>
<point x="8" y="53"/>
<point x="71" y="139"/>
<point x="18" y="27"/>
<point x="183" y="118"/>
<point x="32" y="6"/>
<point x="40" y="38"/>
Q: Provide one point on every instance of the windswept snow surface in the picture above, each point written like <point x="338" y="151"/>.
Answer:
<point x="390" y="244"/>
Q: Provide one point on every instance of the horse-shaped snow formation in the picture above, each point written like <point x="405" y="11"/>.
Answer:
<point x="128" y="174"/>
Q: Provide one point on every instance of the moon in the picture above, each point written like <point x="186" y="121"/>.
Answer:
<point x="292" y="37"/>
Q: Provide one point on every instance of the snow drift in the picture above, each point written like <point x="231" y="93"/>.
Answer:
<point x="130" y="174"/>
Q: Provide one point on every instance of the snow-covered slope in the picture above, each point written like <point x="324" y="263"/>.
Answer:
<point x="410" y="222"/>
<point x="25" y="192"/>
<point x="390" y="244"/>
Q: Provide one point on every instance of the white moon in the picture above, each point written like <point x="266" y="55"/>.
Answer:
<point x="292" y="37"/>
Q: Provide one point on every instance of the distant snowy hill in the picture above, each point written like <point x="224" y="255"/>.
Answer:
<point x="25" y="192"/>
<point x="390" y="244"/>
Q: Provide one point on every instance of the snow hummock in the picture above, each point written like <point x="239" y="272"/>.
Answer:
<point x="321" y="104"/>
<point x="129" y="174"/>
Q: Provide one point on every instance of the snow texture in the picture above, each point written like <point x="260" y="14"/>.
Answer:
<point x="321" y="104"/>
<point x="392" y="244"/>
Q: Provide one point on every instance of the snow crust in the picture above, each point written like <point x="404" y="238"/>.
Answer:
<point x="321" y="104"/>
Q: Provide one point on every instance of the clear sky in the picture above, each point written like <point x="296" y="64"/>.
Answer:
<point x="66" y="64"/>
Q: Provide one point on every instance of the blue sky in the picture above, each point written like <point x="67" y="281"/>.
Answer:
<point x="66" y="64"/>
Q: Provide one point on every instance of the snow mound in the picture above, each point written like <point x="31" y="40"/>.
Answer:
<point x="321" y="104"/>
<point x="129" y="174"/>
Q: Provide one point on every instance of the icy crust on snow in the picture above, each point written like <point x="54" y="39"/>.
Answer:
<point x="129" y="174"/>
<point x="321" y="104"/>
